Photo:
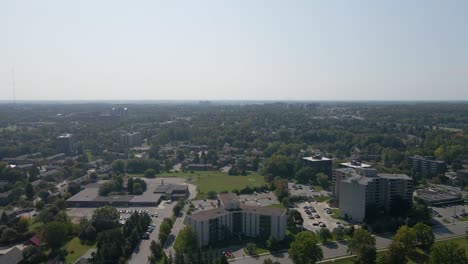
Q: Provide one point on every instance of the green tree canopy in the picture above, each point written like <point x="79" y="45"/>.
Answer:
<point x="304" y="249"/>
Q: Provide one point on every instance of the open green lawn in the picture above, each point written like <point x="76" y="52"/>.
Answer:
<point x="335" y="213"/>
<point x="214" y="180"/>
<point x="34" y="225"/>
<point x="417" y="257"/>
<point x="75" y="250"/>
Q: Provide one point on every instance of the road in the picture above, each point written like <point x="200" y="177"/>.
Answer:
<point x="178" y="225"/>
<point x="339" y="249"/>
<point x="142" y="251"/>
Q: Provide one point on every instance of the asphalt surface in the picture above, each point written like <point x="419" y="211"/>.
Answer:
<point x="339" y="249"/>
<point x="142" y="251"/>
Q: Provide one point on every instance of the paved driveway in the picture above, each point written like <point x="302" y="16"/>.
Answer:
<point x="142" y="252"/>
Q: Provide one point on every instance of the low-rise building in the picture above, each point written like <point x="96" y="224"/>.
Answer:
<point x="234" y="219"/>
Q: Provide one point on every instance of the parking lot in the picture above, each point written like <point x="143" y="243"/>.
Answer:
<point x="317" y="215"/>
<point x="305" y="190"/>
<point x="447" y="212"/>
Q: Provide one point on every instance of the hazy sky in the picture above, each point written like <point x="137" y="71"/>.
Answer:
<point x="242" y="49"/>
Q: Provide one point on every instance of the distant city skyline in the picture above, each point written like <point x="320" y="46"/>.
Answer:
<point x="234" y="50"/>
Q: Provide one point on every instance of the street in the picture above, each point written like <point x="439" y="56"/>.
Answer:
<point x="339" y="249"/>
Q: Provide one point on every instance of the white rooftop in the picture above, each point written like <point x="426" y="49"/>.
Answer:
<point x="355" y="165"/>
<point x="315" y="159"/>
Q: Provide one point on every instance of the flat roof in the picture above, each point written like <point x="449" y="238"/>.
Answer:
<point x="209" y="214"/>
<point x="394" y="176"/>
<point x="434" y="196"/>
<point x="90" y="193"/>
<point x="263" y="210"/>
<point x="164" y="188"/>
<point x="355" y="166"/>
<point x="228" y="197"/>
<point x="315" y="159"/>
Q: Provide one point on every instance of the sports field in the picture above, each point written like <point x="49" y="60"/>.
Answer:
<point x="217" y="181"/>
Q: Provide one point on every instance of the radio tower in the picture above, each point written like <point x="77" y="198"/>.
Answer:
<point x="13" y="82"/>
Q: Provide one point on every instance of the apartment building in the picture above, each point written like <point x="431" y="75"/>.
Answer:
<point x="65" y="143"/>
<point x="345" y="170"/>
<point x="131" y="139"/>
<point x="366" y="189"/>
<point x="319" y="164"/>
<point x="234" y="219"/>
<point x="427" y="166"/>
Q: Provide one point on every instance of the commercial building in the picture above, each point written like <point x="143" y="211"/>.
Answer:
<point x="234" y="219"/>
<point x="365" y="189"/>
<point x="131" y="139"/>
<point x="89" y="196"/>
<point x="319" y="164"/>
<point x="65" y="143"/>
<point x="172" y="191"/>
<point x="437" y="197"/>
<point x="346" y="170"/>
<point x="427" y="166"/>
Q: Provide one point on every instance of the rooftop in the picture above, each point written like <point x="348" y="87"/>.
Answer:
<point x="315" y="158"/>
<point x="209" y="214"/>
<point x="227" y="197"/>
<point x="394" y="176"/>
<point x="355" y="165"/>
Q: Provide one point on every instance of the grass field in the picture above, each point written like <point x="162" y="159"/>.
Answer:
<point x="418" y="257"/>
<point x="75" y="250"/>
<point x="215" y="180"/>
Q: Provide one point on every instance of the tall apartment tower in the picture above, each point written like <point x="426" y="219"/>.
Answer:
<point x="65" y="143"/>
<point x="120" y="112"/>
<point x="319" y="164"/>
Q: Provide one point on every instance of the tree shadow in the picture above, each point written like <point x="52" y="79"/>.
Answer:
<point x="418" y="257"/>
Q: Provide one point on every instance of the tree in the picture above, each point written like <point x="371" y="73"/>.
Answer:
<point x="424" y="236"/>
<point x="325" y="234"/>
<point x="118" y="166"/>
<point x="104" y="218"/>
<point x="278" y="165"/>
<point x="270" y="261"/>
<point x="362" y="244"/>
<point x="137" y="188"/>
<point x="211" y="195"/>
<point x="150" y="173"/>
<point x="322" y="180"/>
<point x="406" y="238"/>
<point x="187" y="238"/>
<point x="305" y="175"/>
<point x="29" y="191"/>
<point x="107" y="188"/>
<point x="55" y="234"/>
<point x="130" y="182"/>
<point x="394" y="255"/>
<point x="164" y="231"/>
<point x="250" y="248"/>
<point x="338" y="233"/>
<point x="448" y="253"/>
<point x="304" y="248"/>
<point x="9" y="235"/>
<point x="156" y="250"/>
<point x="23" y="224"/>
<point x="86" y="231"/>
<point x="273" y="243"/>
<point x="33" y="255"/>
